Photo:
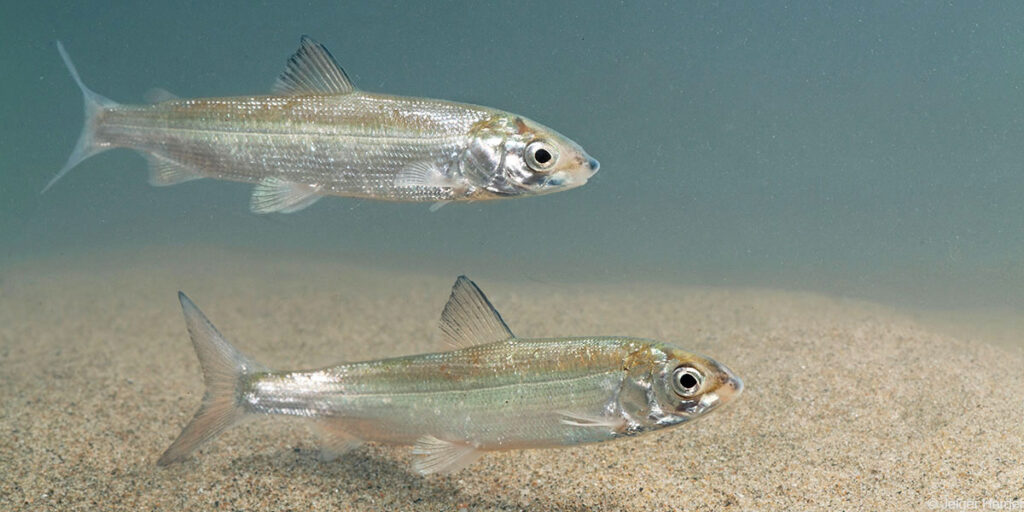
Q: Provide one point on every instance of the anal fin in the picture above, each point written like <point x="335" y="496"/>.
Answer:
<point x="163" y="171"/>
<point x="278" y="195"/>
<point x="335" y="442"/>
<point x="435" y="455"/>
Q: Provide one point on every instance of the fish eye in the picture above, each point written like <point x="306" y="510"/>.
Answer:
<point x="540" y="155"/>
<point x="686" y="381"/>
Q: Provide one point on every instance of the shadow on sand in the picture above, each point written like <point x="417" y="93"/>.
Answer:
<point x="370" y="477"/>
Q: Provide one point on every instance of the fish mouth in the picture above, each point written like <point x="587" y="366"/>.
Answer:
<point x="725" y="393"/>
<point x="567" y="179"/>
<point x="730" y="389"/>
<point x="586" y="167"/>
<point x="730" y="385"/>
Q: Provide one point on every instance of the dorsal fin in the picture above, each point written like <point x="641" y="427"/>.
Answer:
<point x="469" y="318"/>
<point x="312" y="70"/>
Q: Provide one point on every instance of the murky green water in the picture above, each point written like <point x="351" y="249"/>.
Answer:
<point x="863" y="149"/>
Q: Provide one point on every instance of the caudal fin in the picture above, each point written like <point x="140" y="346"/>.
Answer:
<point x="223" y="368"/>
<point x="87" y="143"/>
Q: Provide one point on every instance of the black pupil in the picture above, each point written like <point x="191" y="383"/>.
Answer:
<point x="542" y="156"/>
<point x="687" y="381"/>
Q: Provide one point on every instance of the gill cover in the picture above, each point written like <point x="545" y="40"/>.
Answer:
<point x="651" y="399"/>
<point x="483" y="163"/>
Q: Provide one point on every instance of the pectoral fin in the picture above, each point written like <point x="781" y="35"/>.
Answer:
<point x="163" y="171"/>
<point x="438" y="205"/>
<point x="586" y="420"/>
<point x="277" y="195"/>
<point x="438" y="456"/>
<point x="422" y="174"/>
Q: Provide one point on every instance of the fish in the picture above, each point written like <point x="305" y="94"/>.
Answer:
<point x="318" y="135"/>
<point x="492" y="392"/>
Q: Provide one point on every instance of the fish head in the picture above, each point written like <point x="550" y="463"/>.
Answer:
<point x="675" y="386"/>
<point x="513" y="156"/>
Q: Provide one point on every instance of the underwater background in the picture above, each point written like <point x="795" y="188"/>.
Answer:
<point x="868" y="149"/>
<point x="824" y="196"/>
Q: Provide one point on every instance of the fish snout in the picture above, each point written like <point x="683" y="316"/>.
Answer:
<point x="731" y="387"/>
<point x="586" y="167"/>
<point x="583" y="167"/>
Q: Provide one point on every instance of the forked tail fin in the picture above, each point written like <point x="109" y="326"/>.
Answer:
<point x="87" y="143"/>
<point x="223" y="368"/>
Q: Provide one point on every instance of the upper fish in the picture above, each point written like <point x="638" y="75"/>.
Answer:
<point x="317" y="135"/>
<point x="496" y="392"/>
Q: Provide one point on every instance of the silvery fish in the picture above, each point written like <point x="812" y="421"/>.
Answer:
<point x="498" y="392"/>
<point x="318" y="135"/>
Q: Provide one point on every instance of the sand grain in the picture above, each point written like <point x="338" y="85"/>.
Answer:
<point x="848" y="405"/>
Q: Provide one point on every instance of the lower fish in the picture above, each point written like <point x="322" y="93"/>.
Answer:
<point x="318" y="135"/>
<point x="497" y="392"/>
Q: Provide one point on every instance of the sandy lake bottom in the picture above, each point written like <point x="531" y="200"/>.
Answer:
<point x="848" y="404"/>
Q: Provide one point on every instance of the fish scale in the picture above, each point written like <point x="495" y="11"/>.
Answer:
<point x="319" y="143"/>
<point x="318" y="135"/>
<point x="496" y="392"/>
